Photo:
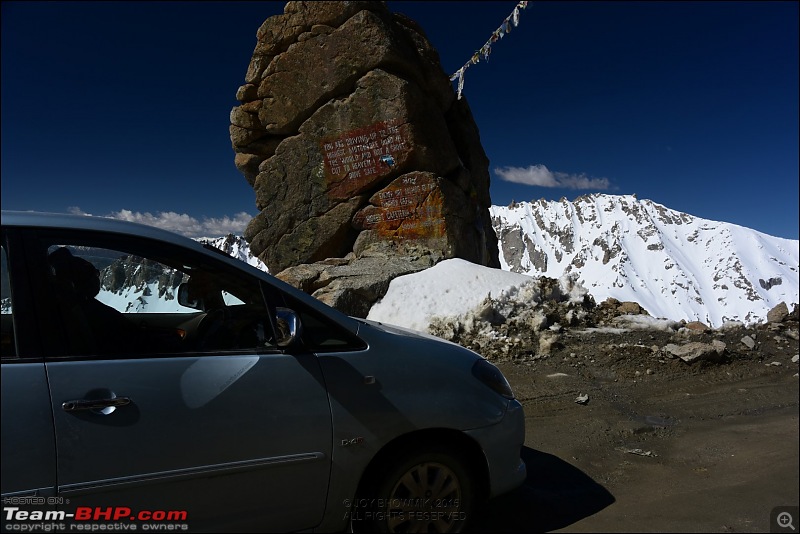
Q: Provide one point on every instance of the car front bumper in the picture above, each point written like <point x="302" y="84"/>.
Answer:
<point x="502" y="444"/>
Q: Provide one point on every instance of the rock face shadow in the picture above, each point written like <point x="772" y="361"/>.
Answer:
<point x="555" y="494"/>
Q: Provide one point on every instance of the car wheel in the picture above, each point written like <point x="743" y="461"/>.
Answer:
<point x="420" y="492"/>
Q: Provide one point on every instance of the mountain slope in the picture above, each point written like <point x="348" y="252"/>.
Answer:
<point x="236" y="247"/>
<point x="675" y="265"/>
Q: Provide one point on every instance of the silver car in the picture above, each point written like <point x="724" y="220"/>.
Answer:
<point x="150" y="380"/>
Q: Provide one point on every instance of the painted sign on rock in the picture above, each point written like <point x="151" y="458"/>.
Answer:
<point x="355" y="159"/>
<point x="410" y="207"/>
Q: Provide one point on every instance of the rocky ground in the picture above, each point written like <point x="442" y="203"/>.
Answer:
<point x="673" y="427"/>
<point x="592" y="359"/>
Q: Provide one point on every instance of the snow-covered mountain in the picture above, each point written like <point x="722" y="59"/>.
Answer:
<point x="675" y="265"/>
<point x="235" y="246"/>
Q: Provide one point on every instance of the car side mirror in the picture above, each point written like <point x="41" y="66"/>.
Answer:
<point x="186" y="299"/>
<point x="289" y="328"/>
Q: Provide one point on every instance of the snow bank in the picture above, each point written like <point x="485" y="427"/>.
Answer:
<point x="450" y="288"/>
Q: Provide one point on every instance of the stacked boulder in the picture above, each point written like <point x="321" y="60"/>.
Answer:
<point x="351" y="136"/>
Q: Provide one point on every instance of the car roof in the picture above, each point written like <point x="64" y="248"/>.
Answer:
<point x="34" y="219"/>
<point x="31" y="219"/>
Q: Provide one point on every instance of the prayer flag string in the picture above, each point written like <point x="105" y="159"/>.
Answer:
<point x="486" y="49"/>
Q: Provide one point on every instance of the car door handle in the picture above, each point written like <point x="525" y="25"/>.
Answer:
<point x="94" y="404"/>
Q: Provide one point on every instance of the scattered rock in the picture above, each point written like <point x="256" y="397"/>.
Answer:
<point x="631" y="308"/>
<point x="583" y="399"/>
<point x="638" y="452"/>
<point x="697" y="351"/>
<point x="778" y="314"/>
<point x="611" y="308"/>
<point x="748" y="342"/>
<point x="696" y="326"/>
<point x="353" y="286"/>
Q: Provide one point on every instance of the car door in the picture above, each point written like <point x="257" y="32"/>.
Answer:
<point x="236" y="434"/>
<point x="28" y="448"/>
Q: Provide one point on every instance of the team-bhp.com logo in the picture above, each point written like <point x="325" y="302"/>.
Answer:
<point x="92" y="518"/>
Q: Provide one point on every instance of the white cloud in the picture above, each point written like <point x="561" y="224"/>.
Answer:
<point x="181" y="223"/>
<point x="227" y="225"/>
<point x="541" y="176"/>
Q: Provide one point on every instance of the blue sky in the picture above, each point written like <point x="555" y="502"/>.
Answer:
<point x="122" y="108"/>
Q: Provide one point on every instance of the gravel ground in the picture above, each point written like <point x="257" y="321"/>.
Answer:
<point x="624" y="437"/>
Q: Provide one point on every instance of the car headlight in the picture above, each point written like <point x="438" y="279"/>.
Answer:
<point x="492" y="377"/>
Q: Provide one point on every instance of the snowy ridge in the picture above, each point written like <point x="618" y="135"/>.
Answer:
<point x="674" y="265"/>
<point x="236" y="247"/>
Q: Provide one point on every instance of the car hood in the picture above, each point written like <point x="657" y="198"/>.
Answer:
<point x="402" y="331"/>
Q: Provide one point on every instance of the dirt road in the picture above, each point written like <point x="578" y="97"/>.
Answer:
<point x="658" y="445"/>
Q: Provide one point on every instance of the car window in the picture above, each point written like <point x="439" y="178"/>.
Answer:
<point x="319" y="333"/>
<point x="126" y="301"/>
<point x="7" y="344"/>
<point x="126" y="282"/>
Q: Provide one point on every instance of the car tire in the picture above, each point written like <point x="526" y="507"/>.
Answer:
<point x="421" y="491"/>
